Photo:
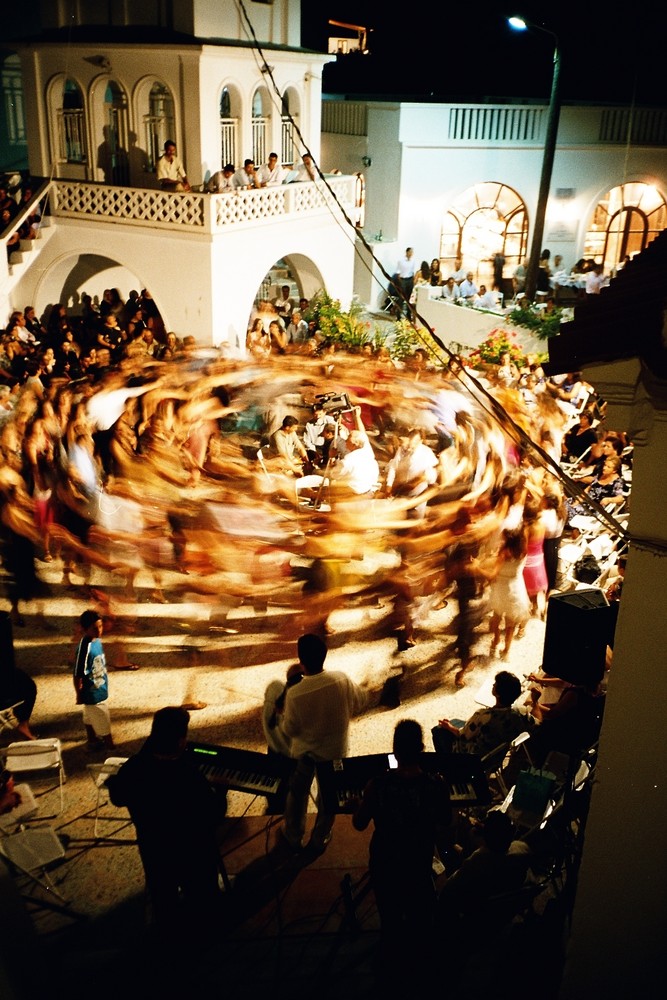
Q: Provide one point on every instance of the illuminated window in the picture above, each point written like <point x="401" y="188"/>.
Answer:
<point x="159" y="123"/>
<point x="71" y="125"/>
<point x="624" y="222"/>
<point x="260" y="127"/>
<point x="229" y="126"/>
<point x="485" y="220"/>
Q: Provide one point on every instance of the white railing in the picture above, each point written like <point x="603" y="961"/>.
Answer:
<point x="259" y="130"/>
<point x="71" y="136"/>
<point x="289" y="146"/>
<point x="39" y="199"/>
<point x="228" y="132"/>
<point x="209" y="213"/>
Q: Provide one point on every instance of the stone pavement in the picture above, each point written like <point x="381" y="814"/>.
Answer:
<point x="189" y="652"/>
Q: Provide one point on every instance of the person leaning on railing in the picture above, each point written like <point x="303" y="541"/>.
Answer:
<point x="170" y="171"/>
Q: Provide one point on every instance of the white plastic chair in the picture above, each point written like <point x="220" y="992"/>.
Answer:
<point x="39" y="761"/>
<point x="100" y="774"/>
<point x="31" y="851"/>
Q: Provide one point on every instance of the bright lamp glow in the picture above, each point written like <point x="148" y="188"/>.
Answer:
<point x="517" y="23"/>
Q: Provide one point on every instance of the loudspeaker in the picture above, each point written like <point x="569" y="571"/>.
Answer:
<point x="576" y="636"/>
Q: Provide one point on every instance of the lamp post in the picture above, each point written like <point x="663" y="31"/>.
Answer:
<point x="519" y="24"/>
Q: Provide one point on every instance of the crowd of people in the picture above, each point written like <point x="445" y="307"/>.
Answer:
<point x="107" y="402"/>
<point x="125" y="448"/>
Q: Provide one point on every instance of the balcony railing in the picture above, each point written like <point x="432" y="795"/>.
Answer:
<point x="197" y="211"/>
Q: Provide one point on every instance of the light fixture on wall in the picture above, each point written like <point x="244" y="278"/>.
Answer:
<point x="267" y="69"/>
<point x="366" y="160"/>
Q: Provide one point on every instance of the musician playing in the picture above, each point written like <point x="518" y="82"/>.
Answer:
<point x="315" y="719"/>
<point x="411" y="812"/>
<point x="176" y="814"/>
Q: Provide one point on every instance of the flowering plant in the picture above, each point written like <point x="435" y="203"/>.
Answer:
<point x="350" y="330"/>
<point x="543" y="324"/>
<point x="497" y="343"/>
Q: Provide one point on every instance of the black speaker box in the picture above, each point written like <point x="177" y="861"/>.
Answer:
<point x="578" y="630"/>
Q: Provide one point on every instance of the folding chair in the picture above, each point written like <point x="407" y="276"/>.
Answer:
<point x="38" y="761"/>
<point x="21" y="813"/>
<point x="8" y="719"/>
<point x="100" y="773"/>
<point x="31" y="851"/>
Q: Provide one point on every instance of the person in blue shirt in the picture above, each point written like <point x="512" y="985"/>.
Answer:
<point x="91" y="682"/>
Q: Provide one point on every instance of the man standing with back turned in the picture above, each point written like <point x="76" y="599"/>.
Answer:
<point x="316" y="719"/>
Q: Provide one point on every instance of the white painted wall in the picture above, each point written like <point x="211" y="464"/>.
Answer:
<point x="417" y="172"/>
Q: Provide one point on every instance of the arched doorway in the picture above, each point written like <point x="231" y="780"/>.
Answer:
<point x="625" y="221"/>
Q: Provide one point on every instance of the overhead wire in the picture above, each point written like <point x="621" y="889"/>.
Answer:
<point x="481" y="395"/>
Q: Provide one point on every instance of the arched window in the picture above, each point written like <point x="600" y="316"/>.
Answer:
<point x="113" y="155"/>
<point x="229" y="127"/>
<point x="485" y="220"/>
<point x="625" y="221"/>
<point x="260" y="124"/>
<point x="159" y="123"/>
<point x="71" y="125"/>
<point x="289" y="150"/>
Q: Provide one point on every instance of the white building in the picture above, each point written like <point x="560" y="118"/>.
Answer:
<point x="105" y="93"/>
<point x="455" y="180"/>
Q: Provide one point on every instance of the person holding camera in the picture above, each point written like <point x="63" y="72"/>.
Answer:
<point x="321" y="431"/>
<point x="357" y="472"/>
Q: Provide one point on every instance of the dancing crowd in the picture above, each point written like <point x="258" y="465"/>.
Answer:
<point x="316" y="477"/>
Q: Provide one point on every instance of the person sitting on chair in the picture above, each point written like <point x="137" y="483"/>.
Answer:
<point x="498" y="865"/>
<point x="487" y="728"/>
<point x="289" y="453"/>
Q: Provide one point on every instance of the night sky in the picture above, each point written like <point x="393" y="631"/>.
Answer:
<point x="449" y="51"/>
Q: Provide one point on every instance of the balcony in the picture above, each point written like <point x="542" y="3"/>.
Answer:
<point x="199" y="212"/>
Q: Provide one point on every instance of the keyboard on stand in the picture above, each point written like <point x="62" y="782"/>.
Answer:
<point x="240" y="770"/>
<point x="342" y="781"/>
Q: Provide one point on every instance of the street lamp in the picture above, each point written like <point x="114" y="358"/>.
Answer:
<point x="519" y="24"/>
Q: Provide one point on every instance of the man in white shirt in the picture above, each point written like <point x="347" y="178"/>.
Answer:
<point x="297" y="330"/>
<point x="271" y="173"/>
<point x="595" y="279"/>
<point x="485" y="299"/>
<point x="307" y="171"/>
<point x="357" y="472"/>
<point x="413" y="468"/>
<point x="170" y="171"/>
<point x="468" y="288"/>
<point x="450" y="291"/>
<point x="405" y="276"/>
<point x="313" y="715"/>
<point x="284" y="304"/>
<point x="459" y="271"/>
<point x="245" y="177"/>
<point x="221" y="181"/>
